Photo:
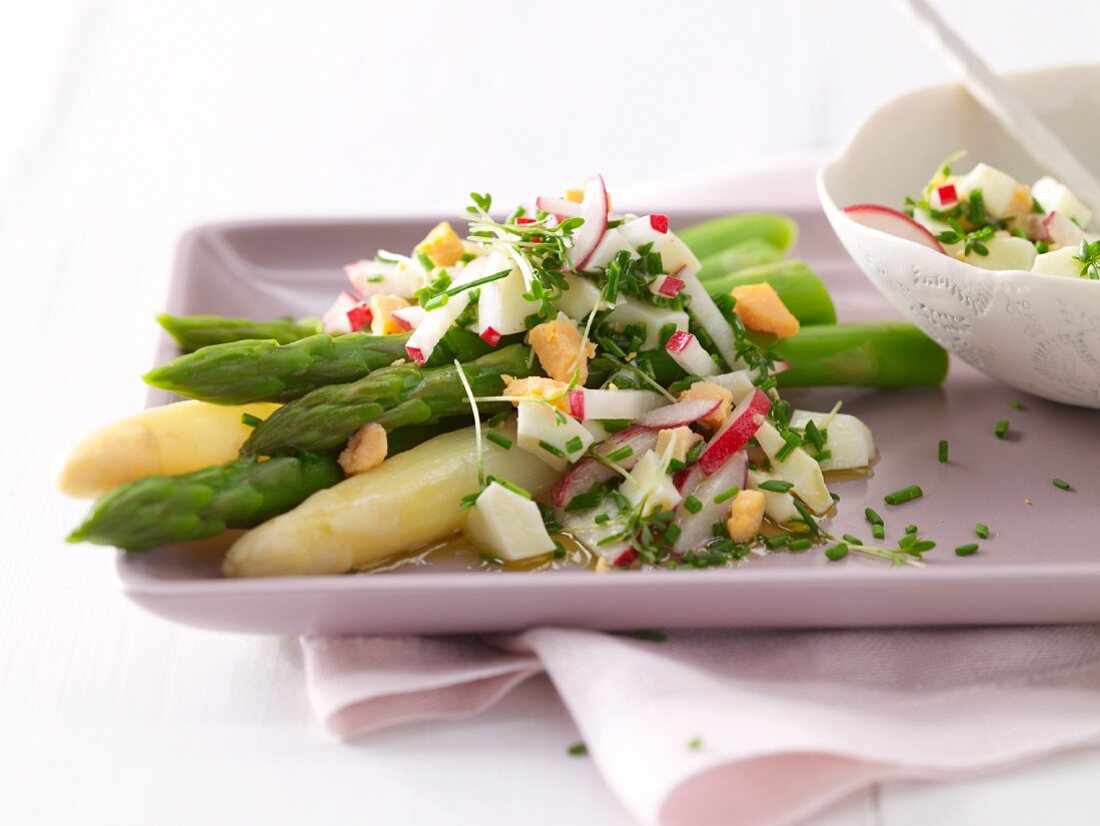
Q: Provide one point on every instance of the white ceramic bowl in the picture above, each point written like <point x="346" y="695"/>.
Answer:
<point x="1040" y="333"/>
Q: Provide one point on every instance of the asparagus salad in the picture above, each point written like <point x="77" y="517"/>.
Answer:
<point x="561" y="386"/>
<point x="988" y="219"/>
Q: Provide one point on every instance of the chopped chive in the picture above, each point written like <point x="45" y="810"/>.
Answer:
<point x="1016" y="404"/>
<point x="1000" y="430"/>
<point x="584" y="501"/>
<point x="726" y="495"/>
<point x="553" y="450"/>
<point x="807" y="517"/>
<point x="624" y="452"/>
<point x="900" y="497"/>
<point x="499" y="439"/>
<point x="492" y="560"/>
<point x="943" y="451"/>
<point x="578" y="749"/>
<point x="775" y="485"/>
<point x="248" y="420"/>
<point x="777" y="541"/>
<point x="692" y="505"/>
<point x="923" y="546"/>
<point x="837" y="551"/>
<point x="695" y="743"/>
<point x="650" y="636"/>
<point x="497" y="419"/>
<point x="559" y="551"/>
<point x="672" y="533"/>
<point x="878" y="531"/>
<point x="981" y="530"/>
<point x="852" y="540"/>
<point x="504" y="483"/>
<point x="872" y="517"/>
<point x="911" y="529"/>
<point x="601" y="518"/>
<point x="574" y="445"/>
<point x="1062" y="484"/>
<point x="814" y="436"/>
<point x="799" y="544"/>
<point x="967" y="550"/>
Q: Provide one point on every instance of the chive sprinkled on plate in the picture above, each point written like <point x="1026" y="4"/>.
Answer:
<point x="1061" y="484"/>
<point x="650" y="636"/>
<point x="981" y="530"/>
<point x="872" y="516"/>
<point x="878" y="531"/>
<point x="852" y="540"/>
<point x="695" y="743"/>
<point x="911" y="529"/>
<point x="967" y="550"/>
<point x="799" y="544"/>
<point x="943" y="451"/>
<point x="578" y="749"/>
<point x="907" y="494"/>
<point x="1016" y="404"/>
<point x="837" y="551"/>
<point x="1000" y="430"/>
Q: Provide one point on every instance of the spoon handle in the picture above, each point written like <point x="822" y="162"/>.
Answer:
<point x="1014" y="115"/>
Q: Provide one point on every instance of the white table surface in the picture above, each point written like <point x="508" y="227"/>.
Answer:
<point x="169" y="114"/>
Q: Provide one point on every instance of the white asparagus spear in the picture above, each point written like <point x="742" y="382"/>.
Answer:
<point x="408" y="501"/>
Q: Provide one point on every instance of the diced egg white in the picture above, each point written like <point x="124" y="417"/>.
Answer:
<point x="540" y="424"/>
<point x="580" y="298"/>
<point x="612" y="243"/>
<point x="401" y="278"/>
<point x="676" y="257"/>
<point x="998" y="188"/>
<point x="849" y="440"/>
<point x="799" y="468"/>
<point x="632" y="311"/>
<point x="1062" y="261"/>
<point x="1007" y="253"/>
<point x="508" y="524"/>
<point x="1057" y="197"/>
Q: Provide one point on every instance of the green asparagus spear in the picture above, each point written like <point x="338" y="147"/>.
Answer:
<point x="159" y="510"/>
<point x="713" y="236"/>
<point x="750" y="253"/>
<point x="394" y="397"/>
<point x="194" y="331"/>
<point x="874" y="354"/>
<point x="797" y="285"/>
<point x="247" y="371"/>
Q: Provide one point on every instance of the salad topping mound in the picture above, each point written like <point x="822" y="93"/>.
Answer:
<point x="562" y="375"/>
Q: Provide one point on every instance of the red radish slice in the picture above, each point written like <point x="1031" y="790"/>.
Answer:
<point x="490" y="336"/>
<point x="736" y="432"/>
<point x="688" y="479"/>
<point x="336" y="320"/>
<point x="780" y="367"/>
<point x="1062" y="230"/>
<point x="613" y="404"/>
<point x="580" y="477"/>
<point x="359" y="317"/>
<point x="695" y="528"/>
<point x="637" y="437"/>
<point x="686" y="351"/>
<point x="1037" y="227"/>
<point x="680" y="414"/>
<point x="561" y="207"/>
<point x="666" y="286"/>
<point x="710" y="318"/>
<point x="409" y="317"/>
<point x="948" y="196"/>
<point x="625" y="559"/>
<point x="416" y="354"/>
<point x="593" y="210"/>
<point x="659" y="222"/>
<point x="892" y="222"/>
<point x="524" y="220"/>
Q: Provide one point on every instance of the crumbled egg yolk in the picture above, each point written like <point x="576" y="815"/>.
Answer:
<point x="382" y="320"/>
<point x="709" y="390"/>
<point x="442" y="245"/>
<point x="557" y="344"/>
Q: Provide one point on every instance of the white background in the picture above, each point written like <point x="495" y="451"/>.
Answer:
<point x="123" y="123"/>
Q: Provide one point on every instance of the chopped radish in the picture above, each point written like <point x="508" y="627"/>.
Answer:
<point x="679" y="414"/>
<point x="344" y="314"/>
<point x="649" y="486"/>
<point x="435" y="325"/>
<point x="710" y="318"/>
<point x="561" y="207"/>
<point x="612" y="404"/>
<point x="632" y="311"/>
<point x="675" y="254"/>
<point x="612" y="243"/>
<point x="666" y="286"/>
<point x="401" y="278"/>
<point x="780" y="367"/>
<point x="524" y="220"/>
<point x="409" y="318"/>
<point x="695" y="528"/>
<point x="1062" y="230"/>
<point x="689" y="478"/>
<point x="593" y="210"/>
<point x="490" y="336"/>
<point x="850" y="442"/>
<point x="579" y="479"/>
<point x="947" y="196"/>
<point x="625" y="559"/>
<point x="736" y="432"/>
<point x="686" y="351"/>
<point x="659" y="222"/>
<point x="892" y="222"/>
<point x="581" y="297"/>
<point x="799" y="468"/>
<point x="501" y="306"/>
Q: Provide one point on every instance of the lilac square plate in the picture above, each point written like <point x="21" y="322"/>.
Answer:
<point x="1040" y="565"/>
